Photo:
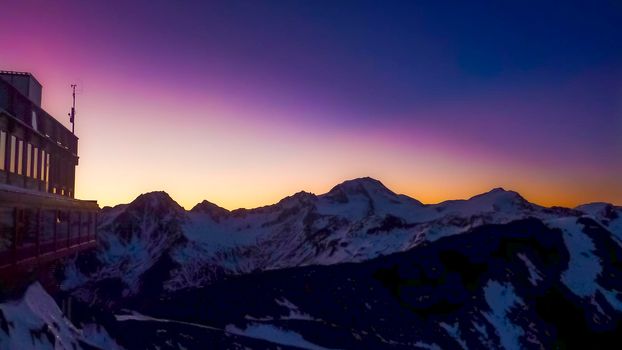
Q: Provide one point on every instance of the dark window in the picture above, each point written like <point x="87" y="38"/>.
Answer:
<point x="75" y="227"/>
<point x="7" y="228"/>
<point x="48" y="220"/>
<point x="26" y="221"/>
<point x="31" y="226"/>
<point x="7" y="231"/>
<point x="86" y="223"/>
<point x="62" y="228"/>
<point x="2" y="149"/>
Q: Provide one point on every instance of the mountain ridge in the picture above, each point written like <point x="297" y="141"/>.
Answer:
<point x="355" y="221"/>
<point x="353" y="185"/>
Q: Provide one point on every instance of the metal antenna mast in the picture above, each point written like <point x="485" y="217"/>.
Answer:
<point x="72" y="115"/>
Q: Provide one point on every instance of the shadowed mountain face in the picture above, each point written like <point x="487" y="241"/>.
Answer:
<point x="357" y="267"/>
<point x="496" y="286"/>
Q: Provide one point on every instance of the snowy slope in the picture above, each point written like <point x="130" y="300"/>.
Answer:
<point x="35" y="322"/>
<point x="521" y="285"/>
<point x="608" y="215"/>
<point x="154" y="239"/>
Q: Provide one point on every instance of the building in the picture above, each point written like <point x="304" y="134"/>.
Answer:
<point x="40" y="221"/>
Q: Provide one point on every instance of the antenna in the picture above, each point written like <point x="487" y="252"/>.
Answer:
<point x="72" y="115"/>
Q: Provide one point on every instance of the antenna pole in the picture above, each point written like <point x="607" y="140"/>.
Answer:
<point x="72" y="115"/>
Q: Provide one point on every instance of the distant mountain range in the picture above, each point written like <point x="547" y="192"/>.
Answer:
<point x="359" y="267"/>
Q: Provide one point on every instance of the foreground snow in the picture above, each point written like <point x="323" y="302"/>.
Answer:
<point x="35" y="322"/>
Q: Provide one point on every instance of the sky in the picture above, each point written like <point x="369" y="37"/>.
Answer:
<point x="245" y="102"/>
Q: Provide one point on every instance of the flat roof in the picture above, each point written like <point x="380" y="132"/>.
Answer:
<point x="10" y="72"/>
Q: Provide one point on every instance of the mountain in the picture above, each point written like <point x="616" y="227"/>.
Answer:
<point x="155" y="238"/>
<point x="357" y="267"/>
<point x="526" y="284"/>
<point x="355" y="221"/>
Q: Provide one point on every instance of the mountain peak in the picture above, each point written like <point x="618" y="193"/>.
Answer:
<point x="206" y="205"/>
<point x="214" y="211"/>
<point x="498" y="190"/>
<point x="359" y="185"/>
<point x="155" y="199"/>
<point x="298" y="198"/>
<point x="154" y="196"/>
<point x="500" y="198"/>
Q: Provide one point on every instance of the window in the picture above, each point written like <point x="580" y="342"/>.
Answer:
<point x="74" y="227"/>
<point x="62" y="226"/>
<point x="2" y="149"/>
<point x="33" y="121"/>
<point x="20" y="156"/>
<point x="7" y="234"/>
<point x="28" y="158"/>
<point x="35" y="164"/>
<point x="42" y="166"/>
<point x="48" y="221"/>
<point x="28" y="228"/>
<point x="6" y="228"/>
<point x="12" y="153"/>
<point x="85" y="223"/>
<point x="47" y="171"/>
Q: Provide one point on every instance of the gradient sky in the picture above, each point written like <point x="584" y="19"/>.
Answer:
<point x="245" y="102"/>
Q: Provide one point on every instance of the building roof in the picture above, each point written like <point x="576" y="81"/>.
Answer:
<point x="10" y="72"/>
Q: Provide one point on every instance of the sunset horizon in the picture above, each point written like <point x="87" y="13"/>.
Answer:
<point x="188" y="206"/>
<point x="213" y="115"/>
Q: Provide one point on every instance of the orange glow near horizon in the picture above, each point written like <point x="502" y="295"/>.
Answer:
<point x="200" y="109"/>
<point x="130" y="145"/>
<point x="234" y="163"/>
<point x="255" y="165"/>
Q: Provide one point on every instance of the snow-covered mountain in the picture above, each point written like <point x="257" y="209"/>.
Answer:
<point x="357" y="267"/>
<point x="153" y="238"/>
<point x="526" y="284"/>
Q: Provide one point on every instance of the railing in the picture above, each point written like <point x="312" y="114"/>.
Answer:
<point x="27" y="112"/>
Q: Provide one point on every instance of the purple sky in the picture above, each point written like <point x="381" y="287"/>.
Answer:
<point x="243" y="102"/>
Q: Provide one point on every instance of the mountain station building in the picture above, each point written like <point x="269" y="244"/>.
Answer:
<point x="40" y="220"/>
